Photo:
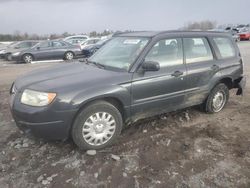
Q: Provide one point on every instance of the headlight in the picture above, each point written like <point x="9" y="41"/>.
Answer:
<point x="36" y="98"/>
<point x="15" y="54"/>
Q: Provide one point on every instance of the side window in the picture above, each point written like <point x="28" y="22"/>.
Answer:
<point x="225" y="47"/>
<point x="24" y="45"/>
<point x="57" y="44"/>
<point x="167" y="52"/>
<point x="197" y="50"/>
<point x="45" y="44"/>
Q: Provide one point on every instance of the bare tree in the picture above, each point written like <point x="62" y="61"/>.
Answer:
<point x="202" y="25"/>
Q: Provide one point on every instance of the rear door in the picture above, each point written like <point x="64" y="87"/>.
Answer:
<point x="163" y="90"/>
<point x="201" y="68"/>
<point x="59" y="49"/>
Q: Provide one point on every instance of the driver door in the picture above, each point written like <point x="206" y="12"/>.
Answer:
<point x="43" y="52"/>
<point x="163" y="90"/>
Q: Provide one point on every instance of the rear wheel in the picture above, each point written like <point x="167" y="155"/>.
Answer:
<point x="217" y="99"/>
<point x="97" y="126"/>
<point x="69" y="56"/>
<point x="27" y="58"/>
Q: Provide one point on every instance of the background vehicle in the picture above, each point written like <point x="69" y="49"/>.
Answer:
<point x="23" y="45"/>
<point x="242" y="28"/>
<point x="48" y="50"/>
<point x="76" y="39"/>
<point x="234" y="33"/>
<point x="137" y="75"/>
<point x="91" y="49"/>
<point x="89" y="42"/>
<point x="4" y="48"/>
<point x="245" y="35"/>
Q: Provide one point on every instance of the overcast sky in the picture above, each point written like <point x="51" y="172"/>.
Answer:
<point x="79" y="16"/>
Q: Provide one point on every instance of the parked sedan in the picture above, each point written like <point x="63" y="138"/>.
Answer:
<point x="48" y="50"/>
<point x="89" y="42"/>
<point x="245" y="35"/>
<point x="23" y="45"/>
<point x="76" y="39"/>
<point x="4" y="48"/>
<point x="91" y="49"/>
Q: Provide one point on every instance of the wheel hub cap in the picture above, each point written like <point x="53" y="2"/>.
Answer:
<point x="218" y="101"/>
<point x="99" y="128"/>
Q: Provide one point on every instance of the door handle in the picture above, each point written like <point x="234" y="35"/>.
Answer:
<point x="177" y="73"/>
<point x="215" y="67"/>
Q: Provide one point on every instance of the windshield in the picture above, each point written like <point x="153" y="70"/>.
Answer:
<point x="120" y="52"/>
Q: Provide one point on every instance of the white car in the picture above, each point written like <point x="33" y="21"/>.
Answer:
<point x="88" y="42"/>
<point x="76" y="39"/>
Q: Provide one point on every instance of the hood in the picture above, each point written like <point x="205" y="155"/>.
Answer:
<point x="68" y="76"/>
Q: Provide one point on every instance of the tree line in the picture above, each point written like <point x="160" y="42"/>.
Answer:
<point x="18" y="36"/>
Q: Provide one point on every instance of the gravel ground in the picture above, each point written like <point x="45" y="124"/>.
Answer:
<point x="187" y="148"/>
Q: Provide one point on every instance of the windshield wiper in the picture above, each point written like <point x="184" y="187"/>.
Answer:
<point x="95" y="63"/>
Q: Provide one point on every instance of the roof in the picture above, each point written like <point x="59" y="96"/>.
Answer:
<point x="171" y="32"/>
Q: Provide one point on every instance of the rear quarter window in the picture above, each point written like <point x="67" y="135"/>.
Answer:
<point x="225" y="47"/>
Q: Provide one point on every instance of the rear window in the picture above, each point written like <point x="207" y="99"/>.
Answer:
<point x="225" y="46"/>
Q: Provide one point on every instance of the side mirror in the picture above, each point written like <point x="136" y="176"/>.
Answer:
<point x="38" y="47"/>
<point x="150" y="66"/>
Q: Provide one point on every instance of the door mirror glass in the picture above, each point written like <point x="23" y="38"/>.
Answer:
<point x="151" y="66"/>
<point x="38" y="47"/>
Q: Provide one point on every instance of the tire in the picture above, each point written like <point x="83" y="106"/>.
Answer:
<point x="90" y="133"/>
<point x="27" y="58"/>
<point x="217" y="99"/>
<point x="69" y="56"/>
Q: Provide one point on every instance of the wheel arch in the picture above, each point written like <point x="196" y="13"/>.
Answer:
<point x="28" y="54"/>
<point x="228" y="81"/>
<point x="110" y="99"/>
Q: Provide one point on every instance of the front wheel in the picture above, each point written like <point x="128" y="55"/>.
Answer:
<point x="217" y="98"/>
<point x="27" y="58"/>
<point x="68" y="56"/>
<point x="97" y="126"/>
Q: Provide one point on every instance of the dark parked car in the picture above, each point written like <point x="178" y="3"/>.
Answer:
<point x="48" y="50"/>
<point x="91" y="49"/>
<point x="134" y="76"/>
<point x="17" y="47"/>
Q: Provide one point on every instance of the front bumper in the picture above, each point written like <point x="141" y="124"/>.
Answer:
<point x="2" y="55"/>
<point x="43" y="122"/>
<point x="17" y="58"/>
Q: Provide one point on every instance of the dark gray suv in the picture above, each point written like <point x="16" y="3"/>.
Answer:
<point x="134" y="76"/>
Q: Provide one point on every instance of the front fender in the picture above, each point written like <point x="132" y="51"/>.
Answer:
<point x="119" y="92"/>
